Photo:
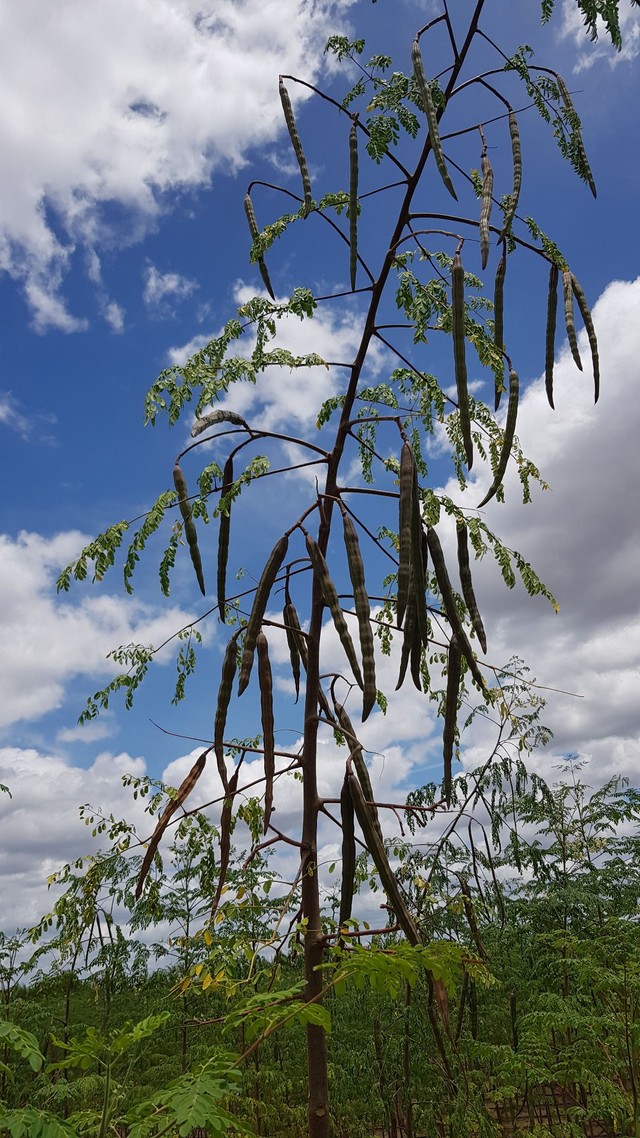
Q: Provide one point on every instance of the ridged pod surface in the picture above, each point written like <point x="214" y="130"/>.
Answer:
<point x="464" y="567"/>
<point x="550" y="339"/>
<point x="297" y="146"/>
<point x="432" y="118"/>
<point x="190" y="532"/>
<point x="507" y="440"/>
<point x="260" y="600"/>
<point x="363" y="613"/>
<point x="450" y="712"/>
<point x="485" y="207"/>
<point x="459" y="354"/>
<point x="585" y="312"/>
<point x="224" y="533"/>
<point x="569" y="317"/>
<point x="332" y="602"/>
<point x="266" y="707"/>
<point x="229" y="667"/>
<point x="347" y="819"/>
<point x="448" y="600"/>
<point x="516" y="155"/>
<point x="253" y="228"/>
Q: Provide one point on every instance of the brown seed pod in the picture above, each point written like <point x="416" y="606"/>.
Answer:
<point x="418" y="571"/>
<point x="585" y="312"/>
<point x="451" y="712"/>
<point x="550" y="343"/>
<point x="409" y="636"/>
<point x="569" y="319"/>
<point x="229" y="665"/>
<point x="375" y="845"/>
<point x="297" y="147"/>
<point x="432" y="118"/>
<point x="225" y="836"/>
<point x="464" y="567"/>
<point x="363" y="613"/>
<point x="485" y="206"/>
<point x="253" y="228"/>
<point x="577" y="134"/>
<point x="266" y="706"/>
<point x="498" y="311"/>
<point x="190" y="531"/>
<point x="262" y="593"/>
<point x="223" y="539"/>
<point x="353" y="203"/>
<point x="293" y="645"/>
<point x="448" y="600"/>
<point x="458" y="334"/>
<point x="212" y="418"/>
<point x="347" y="818"/>
<point x="507" y="440"/>
<point x="356" y="755"/>
<point x="516" y="153"/>
<point x="332" y="602"/>
<point x="184" y="790"/>
<point x="405" y="539"/>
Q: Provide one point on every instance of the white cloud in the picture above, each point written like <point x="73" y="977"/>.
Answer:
<point x="49" y="641"/>
<point x="159" y="287"/>
<point x="588" y="53"/>
<point x="11" y="415"/>
<point x="160" y="95"/>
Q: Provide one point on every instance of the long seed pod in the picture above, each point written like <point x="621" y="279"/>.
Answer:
<point x="190" y="531"/>
<point x="464" y="567"/>
<point x="585" y="312"/>
<point x="498" y="311"/>
<point x="507" y="439"/>
<point x="297" y="147"/>
<point x="375" y="845"/>
<point x="265" y="585"/>
<point x="353" y="204"/>
<point x="184" y="790"/>
<point x="253" y="229"/>
<point x="225" y="836"/>
<point x="356" y="754"/>
<point x="293" y="644"/>
<point x="432" y="118"/>
<point x="516" y="153"/>
<point x="332" y="602"/>
<point x="450" y="713"/>
<point x="550" y="344"/>
<point x="418" y="570"/>
<point x="266" y="706"/>
<point x="407" y="484"/>
<point x="577" y="134"/>
<point x="446" y="592"/>
<point x="410" y="637"/>
<point x="363" y="613"/>
<point x="459" y="355"/>
<point x="485" y="207"/>
<point x="223" y="539"/>
<point x="212" y="418"/>
<point x="569" y="319"/>
<point x="292" y="624"/>
<point x="347" y="818"/>
<point x="229" y="665"/>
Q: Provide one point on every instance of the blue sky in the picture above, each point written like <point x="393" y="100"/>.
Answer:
<point x="132" y="132"/>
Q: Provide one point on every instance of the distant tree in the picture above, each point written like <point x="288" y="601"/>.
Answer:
<point x="415" y="289"/>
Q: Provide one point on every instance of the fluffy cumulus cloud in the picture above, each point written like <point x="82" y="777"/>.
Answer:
<point x="162" y="289"/>
<point x="47" y="642"/>
<point x="125" y="101"/>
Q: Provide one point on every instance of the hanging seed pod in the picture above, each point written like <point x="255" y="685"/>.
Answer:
<point x="585" y="312"/>
<point x="265" y="585"/>
<point x="569" y="319"/>
<point x="332" y="602"/>
<point x="363" y="613"/>
<point x="507" y="441"/>
<point x="229" y="665"/>
<point x="347" y="818"/>
<point x="417" y="564"/>
<point x="266" y="706"/>
<point x="184" y="790"/>
<point x="375" y="845"/>
<point x="577" y="134"/>
<point x="498" y="311"/>
<point x="226" y="815"/>
<point x="516" y="153"/>
<point x="450" y="713"/>
<point x="356" y="754"/>
<point x="458" y="334"/>
<point x="353" y="203"/>
<point x="297" y="147"/>
<point x="411" y="646"/>
<point x="432" y="118"/>
<point x="223" y="540"/>
<point x="190" y="531"/>
<point x="550" y="346"/>
<point x="485" y="206"/>
<point x="448" y="600"/>
<point x="464" y="567"/>
<point x="212" y="418"/>
<point x="253" y="229"/>
<point x="407" y="482"/>
<point x="293" y="645"/>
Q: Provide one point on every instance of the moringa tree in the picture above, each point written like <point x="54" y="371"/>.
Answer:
<point x="413" y="284"/>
